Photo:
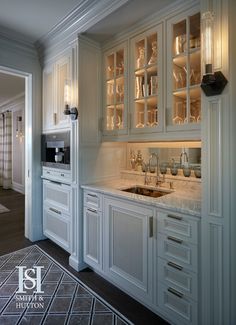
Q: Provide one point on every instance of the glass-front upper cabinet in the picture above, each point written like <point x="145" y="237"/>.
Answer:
<point x="184" y="73"/>
<point x="115" y="97"/>
<point x="146" y="82"/>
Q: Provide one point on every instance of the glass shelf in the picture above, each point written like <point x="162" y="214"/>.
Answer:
<point x="186" y="71"/>
<point x="115" y="90"/>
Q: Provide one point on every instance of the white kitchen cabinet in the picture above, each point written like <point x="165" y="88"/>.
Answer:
<point x="128" y="246"/>
<point x="177" y="266"/>
<point x="49" y="116"/>
<point x="115" y="90"/>
<point x="146" y="81"/>
<point x="184" y="72"/>
<point x="92" y="223"/>
<point x="54" y="76"/>
<point x="57" y="207"/>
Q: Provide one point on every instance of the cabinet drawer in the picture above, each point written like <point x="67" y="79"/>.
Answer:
<point x="57" y="228"/>
<point x="177" y="277"/>
<point x="93" y="200"/>
<point x="58" y="175"/>
<point x="180" y="252"/>
<point x="177" y="224"/>
<point x="177" y="306"/>
<point x="57" y="195"/>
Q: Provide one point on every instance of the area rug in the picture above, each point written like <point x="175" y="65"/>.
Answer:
<point x="3" y="209"/>
<point x="35" y="289"/>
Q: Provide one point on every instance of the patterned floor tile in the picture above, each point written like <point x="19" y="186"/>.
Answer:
<point x="63" y="301"/>
<point x="55" y="320"/>
<point x="100" y="307"/>
<point x="82" y="305"/>
<point x="53" y="276"/>
<point x="104" y="319"/>
<point x="66" y="289"/>
<point x="31" y="320"/>
<point x="8" y="289"/>
<point x="60" y="305"/>
<point x="9" y="320"/>
<point x="79" y="319"/>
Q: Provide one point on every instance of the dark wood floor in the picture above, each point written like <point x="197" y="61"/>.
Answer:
<point x="12" y="238"/>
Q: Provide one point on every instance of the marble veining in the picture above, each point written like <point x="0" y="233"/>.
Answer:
<point x="185" y="199"/>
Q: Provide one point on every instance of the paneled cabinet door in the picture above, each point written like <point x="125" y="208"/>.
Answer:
<point x="128" y="246"/>
<point x="93" y="237"/>
<point x="184" y="72"/>
<point x="63" y="74"/>
<point x="48" y="98"/>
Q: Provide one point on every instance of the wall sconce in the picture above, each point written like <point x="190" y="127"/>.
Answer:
<point x="73" y="112"/>
<point x="212" y="83"/>
<point x="19" y="129"/>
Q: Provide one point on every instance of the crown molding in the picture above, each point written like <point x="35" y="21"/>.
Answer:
<point x="85" y="15"/>
<point x="17" y="41"/>
<point x="13" y="101"/>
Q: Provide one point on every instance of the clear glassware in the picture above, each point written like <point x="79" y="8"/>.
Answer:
<point x="140" y="120"/>
<point x="187" y="171"/>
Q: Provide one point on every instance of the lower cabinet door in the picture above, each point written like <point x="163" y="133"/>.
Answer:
<point x="128" y="246"/>
<point x="57" y="227"/>
<point x="93" y="237"/>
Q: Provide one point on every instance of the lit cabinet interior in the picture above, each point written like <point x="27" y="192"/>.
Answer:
<point x="146" y="81"/>
<point x="115" y="90"/>
<point x="186" y="71"/>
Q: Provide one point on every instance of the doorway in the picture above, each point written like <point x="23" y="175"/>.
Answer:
<point x="21" y="126"/>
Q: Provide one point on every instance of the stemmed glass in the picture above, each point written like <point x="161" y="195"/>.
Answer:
<point x="163" y="170"/>
<point x="140" y="120"/>
<point x="120" y="91"/>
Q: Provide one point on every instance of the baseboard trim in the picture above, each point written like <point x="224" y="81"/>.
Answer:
<point x="18" y="187"/>
<point x="78" y="266"/>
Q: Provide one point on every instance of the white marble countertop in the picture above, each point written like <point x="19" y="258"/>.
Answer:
<point x="186" y="200"/>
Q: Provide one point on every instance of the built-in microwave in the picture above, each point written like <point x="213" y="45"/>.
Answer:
<point x="56" y="150"/>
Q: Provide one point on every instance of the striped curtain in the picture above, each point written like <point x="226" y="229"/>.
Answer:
<point x="6" y="150"/>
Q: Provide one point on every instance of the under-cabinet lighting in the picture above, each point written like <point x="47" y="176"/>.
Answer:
<point x="212" y="83"/>
<point x="73" y="112"/>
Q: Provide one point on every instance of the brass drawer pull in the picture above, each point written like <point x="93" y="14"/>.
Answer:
<point x="55" y="210"/>
<point x="176" y="240"/>
<point x="175" y="292"/>
<point x="175" y="266"/>
<point x="92" y="210"/>
<point x="174" y="217"/>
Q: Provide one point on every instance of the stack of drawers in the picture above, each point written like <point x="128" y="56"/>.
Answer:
<point x="57" y="212"/>
<point x="178" y="267"/>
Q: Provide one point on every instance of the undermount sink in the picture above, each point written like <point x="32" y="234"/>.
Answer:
<point x="146" y="191"/>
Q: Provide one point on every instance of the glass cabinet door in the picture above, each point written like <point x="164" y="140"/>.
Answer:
<point x="146" y="115"/>
<point x="185" y="72"/>
<point x="115" y="90"/>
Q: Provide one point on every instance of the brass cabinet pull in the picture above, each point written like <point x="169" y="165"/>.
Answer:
<point x="174" y="217"/>
<point x="175" y="292"/>
<point x="175" y="266"/>
<point x="92" y="210"/>
<point x="150" y="227"/>
<point x="55" y="210"/>
<point x="176" y="240"/>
